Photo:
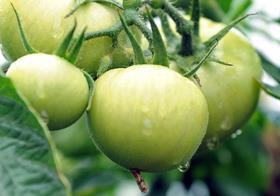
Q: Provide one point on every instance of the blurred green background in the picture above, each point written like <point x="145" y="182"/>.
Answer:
<point x="248" y="164"/>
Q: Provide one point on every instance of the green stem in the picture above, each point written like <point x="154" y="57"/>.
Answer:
<point x="170" y="36"/>
<point x="195" y="17"/>
<point x="132" y="18"/>
<point x="184" y="27"/>
<point x="135" y="19"/>
<point x="112" y="32"/>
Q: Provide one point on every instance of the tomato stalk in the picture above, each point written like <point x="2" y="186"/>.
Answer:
<point x="195" y="18"/>
<point x="140" y="180"/>
<point x="184" y="27"/>
<point x="79" y="3"/>
<point x="132" y="17"/>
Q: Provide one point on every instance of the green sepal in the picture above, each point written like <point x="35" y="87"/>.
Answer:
<point x="168" y="32"/>
<point x="24" y="40"/>
<point x="82" y="2"/>
<point x="138" y="52"/>
<point x="132" y="16"/>
<point x="274" y="91"/>
<point x="72" y="56"/>
<point x="215" y="60"/>
<point x="160" y="53"/>
<point x="90" y="82"/>
<point x="217" y="37"/>
<point x="201" y="61"/>
<point x="65" y="44"/>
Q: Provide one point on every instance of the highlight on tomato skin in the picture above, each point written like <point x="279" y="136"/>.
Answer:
<point x="55" y="88"/>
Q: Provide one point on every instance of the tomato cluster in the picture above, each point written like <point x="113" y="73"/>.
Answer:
<point x="144" y="116"/>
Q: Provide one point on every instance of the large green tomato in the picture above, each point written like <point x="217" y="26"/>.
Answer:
<point x="45" y="25"/>
<point x="147" y="117"/>
<point x="56" y="89"/>
<point x="231" y="91"/>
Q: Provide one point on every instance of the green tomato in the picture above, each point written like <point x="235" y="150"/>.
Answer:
<point x="231" y="91"/>
<point x="147" y="117"/>
<point x="74" y="140"/>
<point x="56" y="89"/>
<point x="45" y="25"/>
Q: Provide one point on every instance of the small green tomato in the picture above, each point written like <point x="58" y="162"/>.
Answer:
<point x="45" y="25"/>
<point x="56" y="89"/>
<point x="147" y="117"/>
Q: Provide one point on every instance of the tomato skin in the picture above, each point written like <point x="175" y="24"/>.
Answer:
<point x="147" y="117"/>
<point x="43" y="22"/>
<point x="56" y="89"/>
<point x="45" y="25"/>
<point x="231" y="91"/>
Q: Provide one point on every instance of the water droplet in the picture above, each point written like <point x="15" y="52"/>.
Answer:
<point x="226" y="124"/>
<point x="148" y="124"/>
<point x="236" y="134"/>
<point x="212" y="143"/>
<point x="184" y="167"/>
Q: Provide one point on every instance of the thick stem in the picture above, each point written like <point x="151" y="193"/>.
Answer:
<point x="140" y="180"/>
<point x="184" y="27"/>
<point x="132" y="18"/>
<point x="195" y="17"/>
<point x="170" y="36"/>
<point x="135" y="19"/>
<point x="187" y="45"/>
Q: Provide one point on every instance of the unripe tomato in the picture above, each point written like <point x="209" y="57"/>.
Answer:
<point x="231" y="91"/>
<point x="45" y="25"/>
<point x="74" y="140"/>
<point x="56" y="89"/>
<point x="147" y="117"/>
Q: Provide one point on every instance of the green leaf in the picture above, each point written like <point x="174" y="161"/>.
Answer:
<point x="217" y="37"/>
<point x="160" y="53"/>
<point x="225" y="5"/>
<point x="274" y="91"/>
<point x="65" y="44"/>
<point x="24" y="40"/>
<point x="271" y="69"/>
<point x="90" y="82"/>
<point x="138" y="52"/>
<point x="238" y="8"/>
<point x="28" y="166"/>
